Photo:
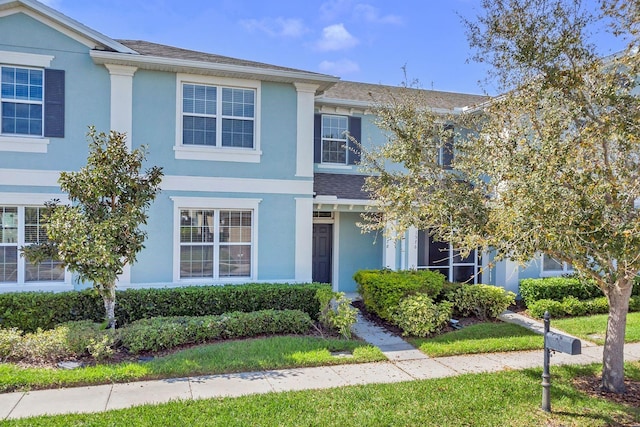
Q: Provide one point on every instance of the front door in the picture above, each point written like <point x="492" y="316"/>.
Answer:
<point x="322" y="245"/>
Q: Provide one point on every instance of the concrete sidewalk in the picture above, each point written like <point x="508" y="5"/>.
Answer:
<point x="405" y="364"/>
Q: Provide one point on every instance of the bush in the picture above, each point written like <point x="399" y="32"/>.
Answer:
<point x="417" y="315"/>
<point x="29" y="311"/>
<point x="557" y="288"/>
<point x="161" y="333"/>
<point x="537" y="308"/>
<point x="483" y="301"/>
<point x="572" y="306"/>
<point x="336" y="312"/>
<point x="382" y="290"/>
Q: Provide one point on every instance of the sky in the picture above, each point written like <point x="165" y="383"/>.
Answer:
<point x="371" y="41"/>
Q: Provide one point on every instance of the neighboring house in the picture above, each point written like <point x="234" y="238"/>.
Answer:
<point x="261" y="183"/>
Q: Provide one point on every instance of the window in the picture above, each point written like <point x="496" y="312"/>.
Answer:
<point x="216" y="243"/>
<point x="332" y="139"/>
<point x="22" y="101"/>
<point x="445" y="153"/>
<point x="553" y="267"/>
<point x="20" y="226"/>
<point x="218" y="119"/>
<point x="442" y="257"/>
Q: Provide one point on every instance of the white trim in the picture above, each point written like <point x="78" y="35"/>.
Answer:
<point x="37" y="286"/>
<point x="334" y="166"/>
<point x="29" y="177"/>
<point x="412" y="248"/>
<point x="24" y="144"/>
<point x="389" y="253"/>
<point x="122" y="99"/>
<point x="218" y="153"/>
<point x="30" y="199"/>
<point x="214" y="203"/>
<point x="304" y="128"/>
<point x="25" y="59"/>
<point x="335" y="250"/>
<point x="236" y="185"/>
<point x="304" y="239"/>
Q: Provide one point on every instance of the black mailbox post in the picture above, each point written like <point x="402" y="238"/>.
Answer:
<point x="554" y="342"/>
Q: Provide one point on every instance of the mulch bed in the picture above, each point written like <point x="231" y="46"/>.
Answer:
<point x="591" y="386"/>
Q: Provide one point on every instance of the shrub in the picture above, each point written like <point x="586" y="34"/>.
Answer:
<point x="161" y="333"/>
<point x="572" y="306"/>
<point x="336" y="312"/>
<point x="29" y="311"/>
<point x="483" y="301"/>
<point x="419" y="316"/>
<point x="9" y="340"/>
<point x="382" y="290"/>
<point x="599" y="305"/>
<point x="557" y="288"/>
<point x="537" y="308"/>
<point x="448" y="290"/>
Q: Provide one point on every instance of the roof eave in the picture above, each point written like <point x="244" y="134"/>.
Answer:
<point x="348" y="103"/>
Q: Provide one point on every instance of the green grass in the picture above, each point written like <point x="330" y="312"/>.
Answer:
<point x="226" y="357"/>
<point x="486" y="337"/>
<point x="594" y="328"/>
<point x="508" y="398"/>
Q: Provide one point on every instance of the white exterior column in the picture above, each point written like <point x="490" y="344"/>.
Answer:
<point x="304" y="136"/>
<point x="507" y="275"/>
<point x="412" y="248"/>
<point x="389" y="254"/>
<point x="122" y="99"/>
<point x="304" y="239"/>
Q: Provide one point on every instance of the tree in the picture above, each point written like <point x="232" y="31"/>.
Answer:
<point x="551" y="166"/>
<point x="99" y="232"/>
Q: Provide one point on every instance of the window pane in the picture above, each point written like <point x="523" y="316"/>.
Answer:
<point x="237" y="133"/>
<point x="8" y="225"/>
<point x="463" y="273"/>
<point x="237" y="102"/>
<point x="550" y="264"/>
<point x="334" y="127"/>
<point x="198" y="130"/>
<point x="9" y="264"/>
<point x="49" y="270"/>
<point x="334" y="152"/>
<point x="235" y="261"/>
<point x="196" y="261"/>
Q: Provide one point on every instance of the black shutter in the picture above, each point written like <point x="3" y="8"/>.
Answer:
<point x="355" y="132"/>
<point x="317" y="138"/>
<point x="447" y="150"/>
<point x="54" y="103"/>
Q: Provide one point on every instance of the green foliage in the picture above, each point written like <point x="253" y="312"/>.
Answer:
<point x="100" y="231"/>
<point x="558" y="288"/>
<point x="29" y="311"/>
<point x="483" y="301"/>
<point x="160" y="333"/>
<point x="571" y="306"/>
<point x="336" y="312"/>
<point x="538" y="308"/>
<point x="382" y="290"/>
<point x="419" y="316"/>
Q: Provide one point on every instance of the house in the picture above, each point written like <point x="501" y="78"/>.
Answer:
<point x="260" y="183"/>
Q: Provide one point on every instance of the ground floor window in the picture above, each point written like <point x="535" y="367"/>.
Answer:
<point x="20" y="226"/>
<point x="553" y="267"/>
<point x="215" y="243"/>
<point x="443" y="257"/>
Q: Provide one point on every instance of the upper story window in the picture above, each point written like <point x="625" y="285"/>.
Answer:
<point x="218" y="119"/>
<point x="22" y="101"/>
<point x="333" y="139"/>
<point x="554" y="267"/>
<point x="445" y="153"/>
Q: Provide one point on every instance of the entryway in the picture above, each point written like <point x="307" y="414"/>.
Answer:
<point x="322" y="253"/>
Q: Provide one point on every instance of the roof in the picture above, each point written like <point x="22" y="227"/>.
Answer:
<point x="164" y="51"/>
<point x="369" y="94"/>
<point x="343" y="186"/>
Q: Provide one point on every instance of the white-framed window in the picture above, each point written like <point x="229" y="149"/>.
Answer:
<point x="22" y="97"/>
<point x="549" y="266"/>
<point x="443" y="257"/>
<point x="218" y="119"/>
<point x="21" y="226"/>
<point x="215" y="239"/>
<point x="334" y="139"/>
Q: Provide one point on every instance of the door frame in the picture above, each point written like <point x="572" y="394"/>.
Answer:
<point x="335" y="242"/>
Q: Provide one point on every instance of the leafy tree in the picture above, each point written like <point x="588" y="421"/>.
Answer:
<point x="99" y="232"/>
<point x="551" y="166"/>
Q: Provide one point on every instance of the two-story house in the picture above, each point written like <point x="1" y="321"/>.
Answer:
<point x="261" y="184"/>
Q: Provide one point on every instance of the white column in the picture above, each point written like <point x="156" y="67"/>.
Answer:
<point x="389" y="254"/>
<point x="304" y="149"/>
<point x="304" y="239"/>
<point x="412" y="248"/>
<point x="122" y="99"/>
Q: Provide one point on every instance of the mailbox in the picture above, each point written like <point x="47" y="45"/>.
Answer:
<point x="562" y="343"/>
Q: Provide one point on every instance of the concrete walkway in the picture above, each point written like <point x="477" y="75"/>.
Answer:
<point x="405" y="364"/>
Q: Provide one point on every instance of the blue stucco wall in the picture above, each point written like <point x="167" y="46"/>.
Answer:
<point x="357" y="251"/>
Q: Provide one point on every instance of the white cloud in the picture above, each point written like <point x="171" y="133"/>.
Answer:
<point x="334" y="9"/>
<point x="336" y="37"/>
<point x="341" y="67"/>
<point x="368" y="13"/>
<point x="276" y="27"/>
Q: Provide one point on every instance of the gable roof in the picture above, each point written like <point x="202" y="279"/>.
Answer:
<point x="347" y="93"/>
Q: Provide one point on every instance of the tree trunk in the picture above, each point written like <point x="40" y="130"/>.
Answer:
<point x="109" y="297"/>
<point x="613" y="358"/>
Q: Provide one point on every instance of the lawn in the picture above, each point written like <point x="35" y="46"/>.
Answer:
<point x="594" y="328"/>
<point x="508" y="398"/>
<point x="485" y="337"/>
<point x="220" y="358"/>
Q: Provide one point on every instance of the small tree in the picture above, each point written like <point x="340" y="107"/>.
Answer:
<point x="550" y="166"/>
<point x="99" y="233"/>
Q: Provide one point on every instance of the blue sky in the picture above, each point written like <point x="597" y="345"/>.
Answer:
<point x="361" y="40"/>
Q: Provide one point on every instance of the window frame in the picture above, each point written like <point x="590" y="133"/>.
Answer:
<point x="218" y="152"/>
<point x="27" y="101"/>
<point x="450" y="255"/>
<point x="554" y="273"/>
<point x="217" y="205"/>
<point x="345" y="140"/>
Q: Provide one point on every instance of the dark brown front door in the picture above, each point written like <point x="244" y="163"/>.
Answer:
<point x="322" y="245"/>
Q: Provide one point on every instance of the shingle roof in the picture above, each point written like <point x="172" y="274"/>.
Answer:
<point x="164" y="51"/>
<point x="343" y="186"/>
<point x="372" y="93"/>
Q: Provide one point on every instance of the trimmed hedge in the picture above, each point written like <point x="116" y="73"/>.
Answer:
<point x="559" y="288"/>
<point x="482" y="301"/>
<point x="29" y="311"/>
<point x="571" y="306"/>
<point x="161" y="333"/>
<point x="382" y="290"/>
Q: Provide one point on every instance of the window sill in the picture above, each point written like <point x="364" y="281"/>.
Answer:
<point x="555" y="273"/>
<point x="334" y="166"/>
<point x="217" y="154"/>
<point x="36" y="286"/>
<point x="24" y="144"/>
